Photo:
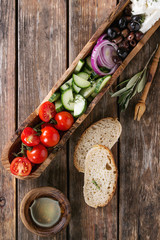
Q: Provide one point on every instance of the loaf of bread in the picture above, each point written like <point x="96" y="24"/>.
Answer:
<point x="104" y="132"/>
<point x="100" y="178"/>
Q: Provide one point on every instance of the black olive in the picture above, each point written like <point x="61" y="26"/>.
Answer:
<point x="130" y="36"/>
<point x="111" y="33"/>
<point x="117" y="40"/>
<point x="135" y="26"/>
<point x="117" y="30"/>
<point x="137" y="18"/>
<point x="122" y="22"/>
<point x="138" y="35"/>
<point x="124" y="44"/>
<point x="128" y="18"/>
<point x="122" y="53"/>
<point x="133" y="43"/>
<point x="116" y="59"/>
<point x="127" y="10"/>
<point x="125" y="32"/>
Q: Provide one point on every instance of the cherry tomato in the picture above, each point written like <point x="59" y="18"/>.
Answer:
<point x="64" y="121"/>
<point x="49" y="137"/>
<point x="47" y="111"/>
<point x="38" y="154"/>
<point x="29" y="137"/>
<point x="47" y="125"/>
<point x="21" y="166"/>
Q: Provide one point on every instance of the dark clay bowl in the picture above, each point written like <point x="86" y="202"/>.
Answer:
<point x="45" y="192"/>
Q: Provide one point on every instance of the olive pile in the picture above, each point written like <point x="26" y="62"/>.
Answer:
<point x="125" y="33"/>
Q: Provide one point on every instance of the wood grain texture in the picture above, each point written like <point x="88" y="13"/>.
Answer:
<point x="31" y="120"/>
<point x="139" y="159"/>
<point x="42" y="60"/>
<point x="13" y="143"/>
<point x="88" y="223"/>
<point x="7" y="114"/>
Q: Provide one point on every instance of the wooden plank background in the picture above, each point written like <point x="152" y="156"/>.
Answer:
<point x="38" y="41"/>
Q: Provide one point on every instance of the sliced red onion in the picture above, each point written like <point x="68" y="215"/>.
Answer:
<point x="101" y="38"/>
<point x="113" y="69"/>
<point x="107" y="54"/>
<point x="100" y="59"/>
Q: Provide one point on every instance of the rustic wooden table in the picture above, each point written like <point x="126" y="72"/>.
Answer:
<point x="38" y="41"/>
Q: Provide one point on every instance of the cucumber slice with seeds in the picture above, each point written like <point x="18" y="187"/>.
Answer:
<point x="75" y="88"/>
<point x="83" y="75"/>
<point x="80" y="105"/>
<point x="94" y="76"/>
<point x="66" y="85"/>
<point x="88" y="63"/>
<point x="59" y="106"/>
<point x="80" y="82"/>
<point x="101" y="83"/>
<point x="55" y="96"/>
<point x="86" y="92"/>
<point x="79" y="66"/>
<point x="93" y="95"/>
<point x="67" y="99"/>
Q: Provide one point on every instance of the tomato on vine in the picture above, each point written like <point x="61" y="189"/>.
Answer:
<point x="64" y="121"/>
<point x="38" y="154"/>
<point x="49" y="137"/>
<point x="29" y="137"/>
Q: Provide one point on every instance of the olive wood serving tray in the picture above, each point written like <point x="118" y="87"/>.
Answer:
<point x="13" y="144"/>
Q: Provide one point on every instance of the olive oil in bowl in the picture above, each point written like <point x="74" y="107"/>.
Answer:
<point x="45" y="212"/>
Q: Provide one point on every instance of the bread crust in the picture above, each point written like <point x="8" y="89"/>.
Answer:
<point x="80" y="140"/>
<point x="114" y="187"/>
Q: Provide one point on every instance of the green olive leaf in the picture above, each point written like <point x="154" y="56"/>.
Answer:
<point x="122" y="82"/>
<point x="127" y="102"/>
<point x="134" y="85"/>
<point x="142" y="82"/>
<point x="135" y="90"/>
<point x="119" y="92"/>
<point x="122" y="98"/>
<point x="133" y="80"/>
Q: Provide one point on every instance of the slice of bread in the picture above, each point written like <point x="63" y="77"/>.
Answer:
<point x="105" y="132"/>
<point x="100" y="178"/>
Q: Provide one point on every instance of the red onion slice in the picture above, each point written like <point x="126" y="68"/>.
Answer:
<point x="99" y="58"/>
<point x="107" y="54"/>
<point x="101" y="38"/>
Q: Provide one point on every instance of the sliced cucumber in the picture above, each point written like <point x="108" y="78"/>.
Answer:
<point x="94" y="76"/>
<point x="86" y="70"/>
<point x="79" y="66"/>
<point x="67" y="99"/>
<point x="66" y="85"/>
<point x="101" y="83"/>
<point x="80" y="82"/>
<point x="88" y="63"/>
<point x="86" y="92"/>
<point x="75" y="88"/>
<point x="59" y="106"/>
<point x="93" y="95"/>
<point x="83" y="75"/>
<point x="55" y="96"/>
<point x="80" y="105"/>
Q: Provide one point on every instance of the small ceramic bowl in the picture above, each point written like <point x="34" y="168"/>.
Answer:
<point x="54" y="194"/>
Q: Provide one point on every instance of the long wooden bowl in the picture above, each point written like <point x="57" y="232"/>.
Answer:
<point x="13" y="144"/>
